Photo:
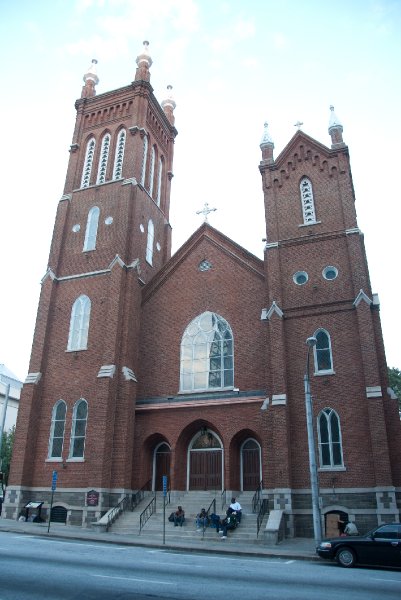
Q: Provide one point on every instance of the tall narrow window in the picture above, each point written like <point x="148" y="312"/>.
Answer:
<point x="149" y="243"/>
<point x="118" y="160"/>
<point x="78" y="430"/>
<point x="56" y="439"/>
<point x="207" y="359"/>
<point x="104" y="158"/>
<point x="159" y="182"/>
<point x="330" y="446"/>
<point x="91" y="229"/>
<point x="307" y="201"/>
<point x="144" y="159"/>
<point x="86" y="173"/>
<point x="79" y="324"/>
<point x="152" y="170"/>
<point x="322" y="352"/>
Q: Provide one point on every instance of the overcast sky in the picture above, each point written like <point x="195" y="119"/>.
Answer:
<point x="232" y="65"/>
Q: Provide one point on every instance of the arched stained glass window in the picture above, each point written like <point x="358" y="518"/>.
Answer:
<point x="79" y="324"/>
<point x="159" y="182"/>
<point x="86" y="172"/>
<point x="322" y="352"/>
<point x="78" y="430"/>
<point x="152" y="170"/>
<point x="56" y="439"/>
<point x="207" y="358"/>
<point x="104" y="158"/>
<point x="144" y="159"/>
<point x="149" y="242"/>
<point x="119" y="157"/>
<point x="91" y="229"/>
<point x="330" y="445"/>
<point x="307" y="201"/>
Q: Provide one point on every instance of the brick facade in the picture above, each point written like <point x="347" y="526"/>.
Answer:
<point x="129" y="373"/>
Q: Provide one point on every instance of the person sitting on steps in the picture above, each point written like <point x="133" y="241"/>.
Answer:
<point x="230" y="522"/>
<point x="236" y="507"/>
<point x="202" y="520"/>
<point x="179" y="517"/>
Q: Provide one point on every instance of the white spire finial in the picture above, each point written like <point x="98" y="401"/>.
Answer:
<point x="334" y="120"/>
<point x="144" y="58"/>
<point x="169" y="101"/>
<point x="266" y="137"/>
<point x="91" y="73"/>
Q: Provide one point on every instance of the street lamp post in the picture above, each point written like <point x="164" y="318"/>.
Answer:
<point x="317" y="523"/>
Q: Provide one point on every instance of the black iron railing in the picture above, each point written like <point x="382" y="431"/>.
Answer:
<point x="223" y="499"/>
<point x="147" y="513"/>
<point x="138" y="496"/>
<point x="115" y="512"/>
<point x="264" y="507"/>
<point x="257" y="498"/>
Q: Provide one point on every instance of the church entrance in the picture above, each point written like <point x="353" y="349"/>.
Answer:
<point x="250" y="465"/>
<point x="205" y="462"/>
<point x="161" y="465"/>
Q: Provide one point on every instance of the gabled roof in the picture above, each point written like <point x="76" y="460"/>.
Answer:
<point x="226" y="245"/>
<point x="302" y="139"/>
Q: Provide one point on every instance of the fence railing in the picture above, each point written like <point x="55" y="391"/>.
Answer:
<point x="264" y="507"/>
<point x="115" y="512"/>
<point x="147" y="513"/>
<point x="257" y="498"/>
<point x="223" y="499"/>
<point x="138" y="496"/>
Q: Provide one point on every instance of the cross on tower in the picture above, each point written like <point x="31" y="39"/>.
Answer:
<point x="205" y="211"/>
<point x="298" y="124"/>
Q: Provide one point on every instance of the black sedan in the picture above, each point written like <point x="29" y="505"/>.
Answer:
<point x="379" y="547"/>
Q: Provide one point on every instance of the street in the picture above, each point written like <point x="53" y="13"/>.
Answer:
<point x="32" y="567"/>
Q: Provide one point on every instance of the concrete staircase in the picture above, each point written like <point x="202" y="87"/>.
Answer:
<point x="192" y="502"/>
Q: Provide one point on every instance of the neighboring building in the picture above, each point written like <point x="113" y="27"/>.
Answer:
<point x="145" y="364"/>
<point x="6" y="377"/>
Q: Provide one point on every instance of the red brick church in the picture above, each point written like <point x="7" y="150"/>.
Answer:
<point x="192" y="365"/>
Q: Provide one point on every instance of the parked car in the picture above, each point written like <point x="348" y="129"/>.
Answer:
<point x="380" y="547"/>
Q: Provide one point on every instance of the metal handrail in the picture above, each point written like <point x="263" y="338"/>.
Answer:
<point x="115" y="512"/>
<point x="223" y="499"/>
<point x="147" y="513"/>
<point x="138" y="496"/>
<point x="264" y="506"/>
<point x="256" y="500"/>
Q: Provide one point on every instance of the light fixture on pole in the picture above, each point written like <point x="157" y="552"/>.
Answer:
<point x="317" y="523"/>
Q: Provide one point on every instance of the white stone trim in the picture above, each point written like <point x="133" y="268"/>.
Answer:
<point x="33" y="378"/>
<point x="374" y="391"/>
<point x="107" y="371"/>
<point x="49" y="273"/>
<point x="268" y="313"/>
<point x="265" y="403"/>
<point x="131" y="181"/>
<point x="362" y="296"/>
<point x="129" y="374"/>
<point x="271" y="245"/>
<point x="352" y="230"/>
<point x="279" y="399"/>
<point x="65" y="197"/>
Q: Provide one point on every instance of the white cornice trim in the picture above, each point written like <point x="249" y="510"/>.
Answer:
<point x="49" y="273"/>
<point x="33" y="378"/>
<point x="353" y="230"/>
<point x="279" y="399"/>
<point x="107" y="371"/>
<point x="116" y="260"/>
<point x="268" y="313"/>
<point x="374" y="391"/>
<point x="65" y="197"/>
<point x="129" y="374"/>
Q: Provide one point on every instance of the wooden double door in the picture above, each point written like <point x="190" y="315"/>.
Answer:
<point x="205" y="468"/>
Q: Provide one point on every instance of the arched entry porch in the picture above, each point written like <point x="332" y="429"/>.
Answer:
<point x="251" y="465"/>
<point x="161" y="465"/>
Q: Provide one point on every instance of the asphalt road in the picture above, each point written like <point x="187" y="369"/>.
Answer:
<point x="32" y="567"/>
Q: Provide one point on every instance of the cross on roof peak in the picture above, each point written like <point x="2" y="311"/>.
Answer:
<point x="205" y="211"/>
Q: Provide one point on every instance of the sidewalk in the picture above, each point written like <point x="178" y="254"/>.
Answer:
<point x="295" y="548"/>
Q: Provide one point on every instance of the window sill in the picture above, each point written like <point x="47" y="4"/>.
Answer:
<point x="309" y="224"/>
<point x="208" y="390"/>
<point x="54" y="459"/>
<point x="322" y="373"/>
<point x="77" y="459"/>
<point x="332" y="468"/>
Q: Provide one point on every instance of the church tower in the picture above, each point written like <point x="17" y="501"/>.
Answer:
<point x="112" y="234"/>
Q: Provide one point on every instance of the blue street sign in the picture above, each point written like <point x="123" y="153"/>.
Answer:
<point x="164" y="485"/>
<point x="54" y="481"/>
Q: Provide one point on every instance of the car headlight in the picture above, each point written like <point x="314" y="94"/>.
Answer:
<point x="325" y="545"/>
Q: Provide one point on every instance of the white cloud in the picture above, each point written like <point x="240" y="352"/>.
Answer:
<point x="280" y="41"/>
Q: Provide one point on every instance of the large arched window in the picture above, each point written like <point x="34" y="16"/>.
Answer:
<point x="104" y="158"/>
<point x="149" y="242"/>
<point x="152" y="170"/>
<point x="119" y="157"/>
<point x="78" y="430"/>
<point x="307" y="201"/>
<point x="86" y="172"/>
<point x="91" y="229"/>
<point x="330" y="446"/>
<point x="56" y="439"/>
<point x="207" y="358"/>
<point x="322" y="352"/>
<point x="144" y="159"/>
<point x="159" y="182"/>
<point x="79" y="324"/>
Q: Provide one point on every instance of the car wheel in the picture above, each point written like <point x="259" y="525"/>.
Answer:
<point x="345" y="557"/>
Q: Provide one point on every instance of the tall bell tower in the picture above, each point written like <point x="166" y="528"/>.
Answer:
<point x="111" y="235"/>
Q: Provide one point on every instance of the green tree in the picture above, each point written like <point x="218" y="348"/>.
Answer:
<point x="6" y="452"/>
<point x="394" y="379"/>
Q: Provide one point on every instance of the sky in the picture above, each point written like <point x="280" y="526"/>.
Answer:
<point x="233" y="65"/>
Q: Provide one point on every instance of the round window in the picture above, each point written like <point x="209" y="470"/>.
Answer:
<point x="300" y="277"/>
<point x="330" y="273"/>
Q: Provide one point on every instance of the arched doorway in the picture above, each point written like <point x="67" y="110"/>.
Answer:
<point x="161" y="465"/>
<point x="251" y="472"/>
<point x="205" y="462"/>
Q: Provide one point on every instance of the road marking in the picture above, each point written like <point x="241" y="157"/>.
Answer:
<point x="136" y="579"/>
<point x="392" y="580"/>
<point x="77" y="543"/>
